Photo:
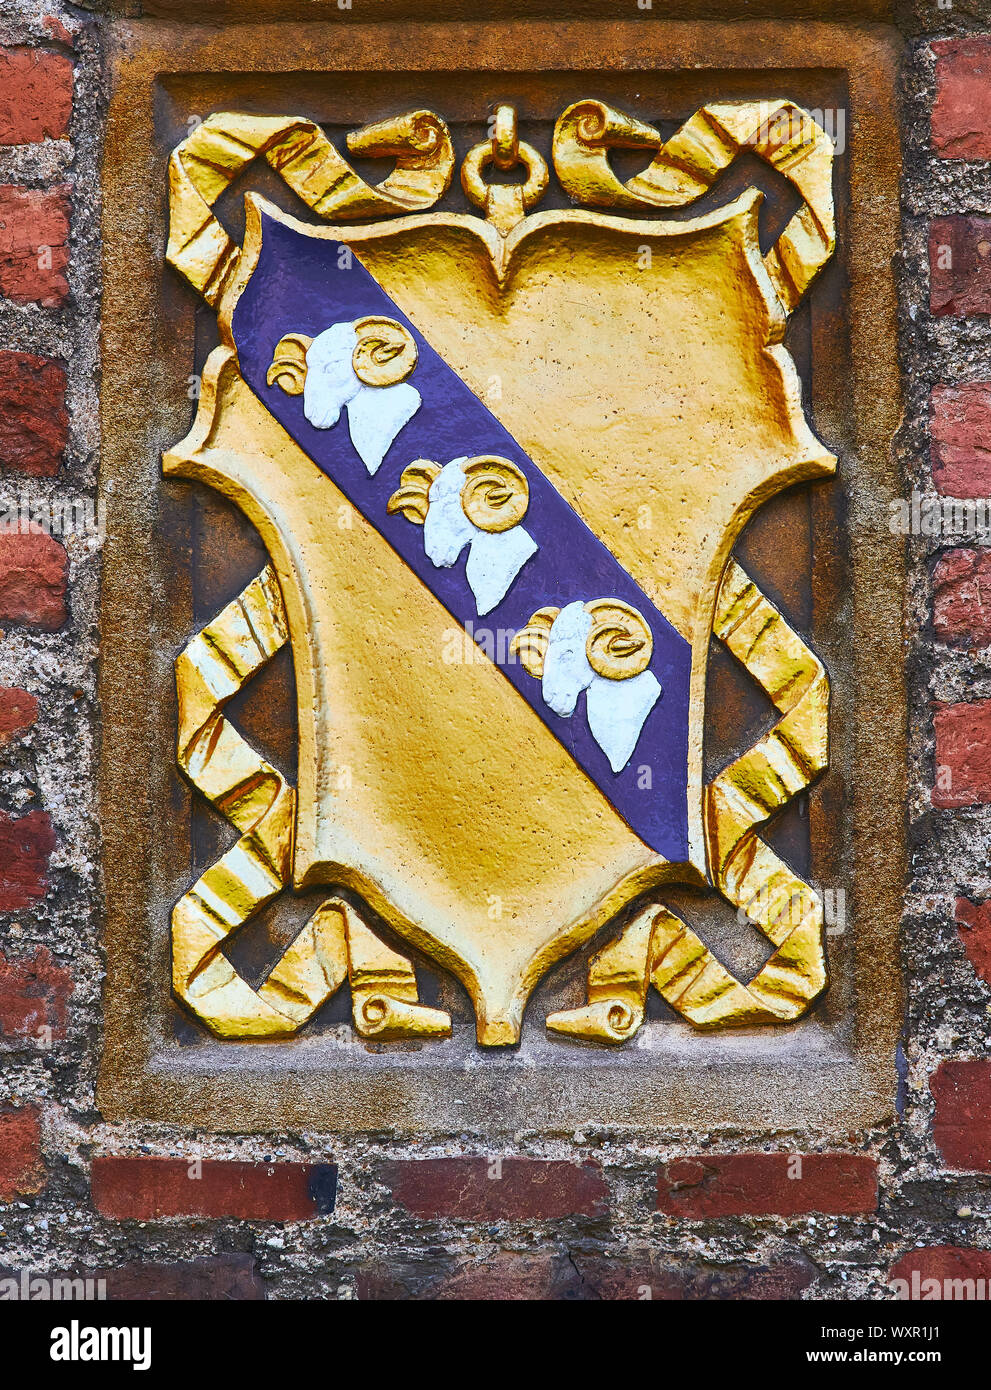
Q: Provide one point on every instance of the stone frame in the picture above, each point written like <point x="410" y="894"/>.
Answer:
<point x="831" y="1087"/>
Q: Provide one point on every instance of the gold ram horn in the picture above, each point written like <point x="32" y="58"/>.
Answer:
<point x="620" y="643"/>
<point x="385" y="352"/>
<point x="530" y="643"/>
<point x="288" y="368"/>
<point x="412" y="497"/>
<point x="496" y="494"/>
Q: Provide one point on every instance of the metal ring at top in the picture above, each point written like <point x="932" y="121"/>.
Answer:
<point x="505" y="138"/>
<point x="479" y="157"/>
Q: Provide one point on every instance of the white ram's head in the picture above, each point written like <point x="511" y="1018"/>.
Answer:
<point x="603" y="647"/>
<point x="478" y="502"/>
<point x="362" y="365"/>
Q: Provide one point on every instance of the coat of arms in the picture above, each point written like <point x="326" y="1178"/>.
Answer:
<point x="499" y="462"/>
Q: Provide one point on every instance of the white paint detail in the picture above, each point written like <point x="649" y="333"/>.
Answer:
<point x="494" y="558"/>
<point x="616" y="709"/>
<point x="494" y="561"/>
<point x="566" y="669"/>
<point x="617" y="712"/>
<point x="376" y="414"/>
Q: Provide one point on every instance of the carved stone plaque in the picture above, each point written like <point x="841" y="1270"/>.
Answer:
<point x="517" y="674"/>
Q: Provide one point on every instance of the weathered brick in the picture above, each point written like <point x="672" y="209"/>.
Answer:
<point x="145" y="1189"/>
<point x="960" y="265"/>
<point x="974" y="928"/>
<point x="961" y="118"/>
<point x="18" y="711"/>
<point x="225" y="1278"/>
<point x="34" y="251"/>
<point x="960" y="428"/>
<point x="759" y="1184"/>
<point x="34" y="423"/>
<point x="943" y="1272"/>
<point x="33" y="995"/>
<point x="33" y="569"/>
<point x="963" y="754"/>
<point x="511" y="1189"/>
<point x="579" y="1277"/>
<point x="35" y="95"/>
<point x="670" y="1278"/>
<point x="22" y="1171"/>
<point x="962" y="1117"/>
<point x="26" y="844"/>
<point x="962" y="597"/>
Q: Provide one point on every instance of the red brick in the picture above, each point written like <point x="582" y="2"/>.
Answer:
<point x="577" y="1277"/>
<point x="26" y="845"/>
<point x="34" y="423"/>
<point x="961" y="120"/>
<point x="33" y="568"/>
<point x="670" y="1278"/>
<point x="960" y="427"/>
<point x="962" y="286"/>
<point x="222" y="1278"/>
<point x="962" y="597"/>
<point x="947" y="1264"/>
<point x="33" y="995"/>
<point x="18" y="711"/>
<point x="58" y="31"/>
<point x="974" y="928"/>
<point x="962" y="1118"/>
<point x="146" y="1189"/>
<point x="963" y="754"/>
<point x="527" y="1190"/>
<point x="34" y="236"/>
<point x="35" y="95"/>
<point x="758" y="1184"/>
<point x="21" y="1169"/>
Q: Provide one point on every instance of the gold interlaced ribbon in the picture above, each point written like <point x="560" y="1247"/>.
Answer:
<point x="658" y="947"/>
<point x="212" y="156"/>
<point x="687" y="165"/>
<point x="256" y="799"/>
<point x="743" y="867"/>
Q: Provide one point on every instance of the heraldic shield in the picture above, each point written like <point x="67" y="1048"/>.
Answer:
<point x="499" y="463"/>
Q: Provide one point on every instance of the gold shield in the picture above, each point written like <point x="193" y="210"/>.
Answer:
<point x="640" y="364"/>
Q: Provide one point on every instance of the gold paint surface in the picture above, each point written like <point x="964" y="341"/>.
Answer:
<point x="692" y="305"/>
<point x="410" y="765"/>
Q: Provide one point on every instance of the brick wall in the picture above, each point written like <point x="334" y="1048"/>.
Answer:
<point x="594" y="1215"/>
